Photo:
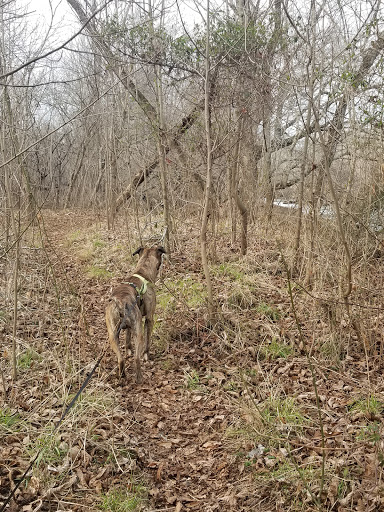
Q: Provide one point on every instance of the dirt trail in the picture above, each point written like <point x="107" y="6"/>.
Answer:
<point x="175" y="431"/>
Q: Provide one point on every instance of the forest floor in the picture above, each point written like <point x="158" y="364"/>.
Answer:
<point x="245" y="415"/>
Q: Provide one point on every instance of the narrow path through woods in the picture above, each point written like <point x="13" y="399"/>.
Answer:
<point x="177" y="434"/>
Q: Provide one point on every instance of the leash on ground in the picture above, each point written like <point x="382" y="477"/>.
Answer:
<point x="57" y="425"/>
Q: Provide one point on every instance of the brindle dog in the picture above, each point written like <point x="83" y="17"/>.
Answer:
<point x="130" y="302"/>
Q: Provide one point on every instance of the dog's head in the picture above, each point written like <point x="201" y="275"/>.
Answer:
<point x="154" y="254"/>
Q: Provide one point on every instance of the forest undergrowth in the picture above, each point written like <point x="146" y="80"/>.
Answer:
<point x="276" y="406"/>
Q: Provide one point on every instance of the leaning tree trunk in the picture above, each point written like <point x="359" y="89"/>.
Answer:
<point x="114" y="65"/>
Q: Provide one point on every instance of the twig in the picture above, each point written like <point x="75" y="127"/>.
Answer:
<point x="313" y="373"/>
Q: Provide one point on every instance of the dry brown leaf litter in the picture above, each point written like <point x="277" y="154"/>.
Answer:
<point x="185" y="442"/>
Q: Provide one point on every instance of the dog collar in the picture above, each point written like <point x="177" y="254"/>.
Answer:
<point x="144" y="285"/>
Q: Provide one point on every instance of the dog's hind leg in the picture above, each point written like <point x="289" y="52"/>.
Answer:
<point x="113" y="321"/>
<point x="148" y="326"/>
<point x="137" y="332"/>
<point x="128" y="341"/>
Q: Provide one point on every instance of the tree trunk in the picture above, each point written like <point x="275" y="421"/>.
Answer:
<point x="304" y="163"/>
<point x="235" y="185"/>
<point x="267" y="171"/>
<point x="74" y="175"/>
<point x="208" y="184"/>
<point x="161" y="145"/>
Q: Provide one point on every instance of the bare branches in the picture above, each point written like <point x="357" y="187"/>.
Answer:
<point x="62" y="46"/>
<point x="30" y="146"/>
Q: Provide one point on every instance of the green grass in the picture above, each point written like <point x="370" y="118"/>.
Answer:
<point x="286" y="471"/>
<point x="165" y="301"/>
<point x="124" y="500"/>
<point x="27" y="359"/>
<point x="88" y="245"/>
<point x="52" y="450"/>
<point x="90" y="400"/>
<point x="192" y="379"/>
<point x="98" y="243"/>
<point x="268" y="311"/>
<point x="185" y="291"/>
<point x="370" y="406"/>
<point x="8" y="420"/>
<point x="276" y="349"/>
<point x="193" y="292"/>
<point x="241" y="433"/>
<point x="370" y="433"/>
<point x="229" y="270"/>
<point x="74" y="237"/>
<point x="96" y="272"/>
<point x="282" y="412"/>
<point x="293" y="483"/>
<point x="241" y="286"/>
<point x="90" y="403"/>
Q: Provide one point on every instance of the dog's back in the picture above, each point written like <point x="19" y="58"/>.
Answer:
<point x="125" y="300"/>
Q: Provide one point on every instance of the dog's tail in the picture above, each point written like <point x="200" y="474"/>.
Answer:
<point x="124" y="319"/>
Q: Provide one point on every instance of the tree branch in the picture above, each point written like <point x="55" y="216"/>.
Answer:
<point x="86" y="21"/>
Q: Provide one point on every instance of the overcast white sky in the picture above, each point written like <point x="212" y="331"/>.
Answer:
<point x="41" y="12"/>
<point x="66" y="22"/>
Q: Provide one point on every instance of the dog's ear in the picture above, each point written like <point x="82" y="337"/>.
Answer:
<point x="138" y="251"/>
<point x="161" y="250"/>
